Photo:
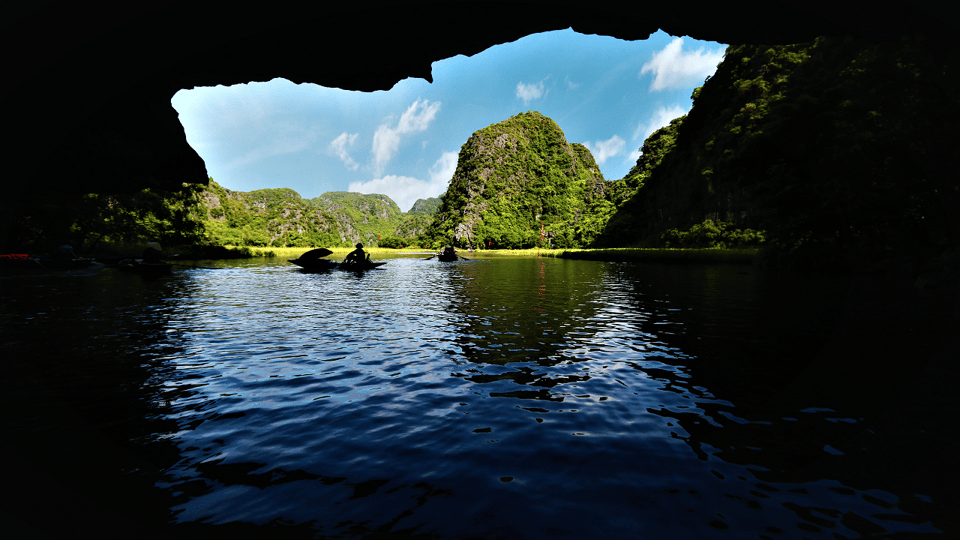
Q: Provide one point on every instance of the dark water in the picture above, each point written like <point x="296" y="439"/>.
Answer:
<point x="501" y="398"/>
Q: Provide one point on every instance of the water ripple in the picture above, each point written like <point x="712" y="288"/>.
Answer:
<point x="513" y="398"/>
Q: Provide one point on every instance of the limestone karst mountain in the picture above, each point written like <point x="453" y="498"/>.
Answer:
<point x="519" y="183"/>
<point x="840" y="150"/>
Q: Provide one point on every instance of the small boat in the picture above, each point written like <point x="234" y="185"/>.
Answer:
<point x="314" y="265"/>
<point x="312" y="261"/>
<point x="19" y="260"/>
<point x="56" y="263"/>
<point x="137" y="266"/>
<point x="449" y="254"/>
<point x="360" y="266"/>
<point x="324" y="265"/>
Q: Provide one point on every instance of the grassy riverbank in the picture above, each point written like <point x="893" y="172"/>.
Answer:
<point x="736" y="256"/>
<point x="341" y="252"/>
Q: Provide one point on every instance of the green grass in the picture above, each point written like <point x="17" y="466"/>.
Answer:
<point x="532" y="252"/>
<point x="338" y="252"/>
<point x="734" y="256"/>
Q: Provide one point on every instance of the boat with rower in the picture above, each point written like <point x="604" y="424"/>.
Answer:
<point x="360" y="266"/>
<point x="449" y="254"/>
<point x="313" y="261"/>
<point x="322" y="265"/>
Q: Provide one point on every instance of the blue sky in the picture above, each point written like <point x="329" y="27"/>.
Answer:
<point x="605" y="93"/>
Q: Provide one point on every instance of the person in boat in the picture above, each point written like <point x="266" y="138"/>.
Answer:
<point x="449" y="251"/>
<point x="151" y="255"/>
<point x="357" y="256"/>
<point x="65" y="252"/>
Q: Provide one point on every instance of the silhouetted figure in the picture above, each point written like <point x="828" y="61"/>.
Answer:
<point x="448" y="254"/>
<point x="65" y="252"/>
<point x="357" y="256"/>
<point x="151" y="255"/>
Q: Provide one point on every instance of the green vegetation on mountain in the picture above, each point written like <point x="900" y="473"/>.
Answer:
<point x="712" y="235"/>
<point x="413" y="227"/>
<point x="280" y="217"/>
<point x="425" y="207"/>
<point x="371" y="216"/>
<point x="266" y="217"/>
<point x="199" y="218"/>
<point x="840" y="150"/>
<point x="518" y="181"/>
<point x="44" y="221"/>
<point x="621" y="227"/>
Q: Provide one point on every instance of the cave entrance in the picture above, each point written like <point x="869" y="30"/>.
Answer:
<point x="603" y="92"/>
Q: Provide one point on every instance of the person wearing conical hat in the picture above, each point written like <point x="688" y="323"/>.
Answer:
<point x="357" y="255"/>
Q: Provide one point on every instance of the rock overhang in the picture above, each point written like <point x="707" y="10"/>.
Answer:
<point x="92" y="112"/>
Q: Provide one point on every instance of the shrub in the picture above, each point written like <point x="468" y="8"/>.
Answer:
<point x="710" y="234"/>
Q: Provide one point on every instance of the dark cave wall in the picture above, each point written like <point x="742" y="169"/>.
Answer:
<point x="89" y="87"/>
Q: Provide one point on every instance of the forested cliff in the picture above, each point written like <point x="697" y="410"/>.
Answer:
<point x="519" y="183"/>
<point x="841" y="150"/>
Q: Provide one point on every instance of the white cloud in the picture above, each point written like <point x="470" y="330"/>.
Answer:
<point x="339" y="146"/>
<point x="418" y="116"/>
<point x="674" y="68"/>
<point x="442" y="171"/>
<point x="603" y="150"/>
<point x="530" y="92"/>
<point x="386" y="143"/>
<point x="661" y="117"/>
<point x="386" y="140"/>
<point x="405" y="190"/>
<point x="572" y="85"/>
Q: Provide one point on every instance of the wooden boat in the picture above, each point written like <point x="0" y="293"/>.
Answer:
<point x="324" y="265"/>
<point x="314" y="265"/>
<point x="19" y="260"/>
<point x="360" y="266"/>
<point x="137" y="266"/>
<point x="448" y="257"/>
<point x="55" y="263"/>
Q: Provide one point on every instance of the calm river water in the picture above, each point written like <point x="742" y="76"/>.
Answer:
<point x="497" y="398"/>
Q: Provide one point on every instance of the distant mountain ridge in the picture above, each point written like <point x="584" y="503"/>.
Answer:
<point x="281" y="217"/>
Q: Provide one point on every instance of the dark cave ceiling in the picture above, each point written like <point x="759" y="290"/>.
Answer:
<point x="89" y="87"/>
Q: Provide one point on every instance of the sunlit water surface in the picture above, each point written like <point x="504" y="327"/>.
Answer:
<point x="498" y="398"/>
